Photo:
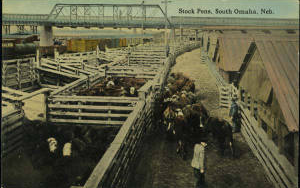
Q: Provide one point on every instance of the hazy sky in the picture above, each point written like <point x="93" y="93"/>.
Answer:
<point x="281" y="8"/>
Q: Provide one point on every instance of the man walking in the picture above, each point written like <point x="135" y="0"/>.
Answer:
<point x="234" y="114"/>
<point x="167" y="50"/>
<point x="198" y="163"/>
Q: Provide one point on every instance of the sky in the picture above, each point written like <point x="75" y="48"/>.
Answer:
<point x="280" y="8"/>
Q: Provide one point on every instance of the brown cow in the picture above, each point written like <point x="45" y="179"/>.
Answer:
<point x="180" y="132"/>
<point x="189" y="86"/>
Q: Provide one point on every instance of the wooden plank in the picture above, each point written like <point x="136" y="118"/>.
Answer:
<point x="11" y="149"/>
<point x="7" y="121"/>
<point x="91" y="107"/>
<point x="99" y="122"/>
<point x="71" y="85"/>
<point x="29" y="88"/>
<point x="4" y="103"/>
<point x="86" y="114"/>
<point x="8" y="110"/>
<point x="30" y="95"/>
<point x="95" y="99"/>
<point x="50" y="86"/>
<point x="60" y="73"/>
<point x="10" y="97"/>
<point x="12" y="127"/>
<point x="102" y="167"/>
<point x="271" y="148"/>
<point x="259" y="157"/>
<point x="267" y="160"/>
<point x="55" y="68"/>
<point x="13" y="91"/>
<point x="10" y="83"/>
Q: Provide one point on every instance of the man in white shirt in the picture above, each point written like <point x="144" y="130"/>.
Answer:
<point x="198" y="163"/>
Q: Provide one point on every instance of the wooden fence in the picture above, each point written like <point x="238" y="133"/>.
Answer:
<point x="19" y="74"/>
<point x="12" y="118"/>
<point x="278" y="169"/>
<point x="226" y="93"/>
<point x="136" y="72"/>
<point x="90" y="110"/>
<point x="11" y="127"/>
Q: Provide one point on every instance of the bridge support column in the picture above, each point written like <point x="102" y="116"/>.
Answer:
<point x="173" y="34"/>
<point x="46" y="36"/>
<point x="21" y="29"/>
<point x="6" y="29"/>
<point x="181" y="33"/>
<point x="133" y="40"/>
<point x="142" y="33"/>
<point x="134" y="31"/>
<point x="33" y="28"/>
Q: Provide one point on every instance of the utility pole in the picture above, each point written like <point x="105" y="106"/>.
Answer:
<point x="166" y="22"/>
<point x="144" y="16"/>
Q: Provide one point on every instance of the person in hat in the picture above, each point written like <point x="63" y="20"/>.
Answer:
<point x="234" y="114"/>
<point x="198" y="164"/>
<point x="167" y="50"/>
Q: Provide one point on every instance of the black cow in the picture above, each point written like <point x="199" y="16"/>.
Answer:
<point x="222" y="132"/>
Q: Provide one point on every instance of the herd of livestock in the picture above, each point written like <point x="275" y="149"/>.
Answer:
<point x="186" y="119"/>
<point x="115" y="86"/>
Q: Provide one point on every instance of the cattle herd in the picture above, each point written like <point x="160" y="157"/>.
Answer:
<point x="114" y="86"/>
<point x="186" y="120"/>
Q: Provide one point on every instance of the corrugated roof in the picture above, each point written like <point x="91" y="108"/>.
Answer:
<point x="233" y="49"/>
<point x="280" y="57"/>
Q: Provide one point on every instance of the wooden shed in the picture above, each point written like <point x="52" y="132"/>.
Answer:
<point x="228" y="53"/>
<point x="269" y="85"/>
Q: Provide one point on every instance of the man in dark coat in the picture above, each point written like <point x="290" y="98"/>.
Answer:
<point x="234" y="114"/>
<point x="167" y="50"/>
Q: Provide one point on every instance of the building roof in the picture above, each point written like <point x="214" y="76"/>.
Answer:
<point x="233" y="49"/>
<point x="280" y="56"/>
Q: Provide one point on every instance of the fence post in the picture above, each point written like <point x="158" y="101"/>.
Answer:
<point x="252" y="106"/>
<point x="142" y="95"/>
<point x="56" y="54"/>
<point x="296" y="151"/>
<point x="38" y="58"/>
<point x="79" y="110"/>
<point x="270" y="132"/>
<point x="32" y="76"/>
<point x="248" y="100"/>
<point x="46" y="109"/>
<point x="280" y="136"/>
<point x="19" y="74"/>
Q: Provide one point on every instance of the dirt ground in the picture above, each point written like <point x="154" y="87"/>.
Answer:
<point x="160" y="167"/>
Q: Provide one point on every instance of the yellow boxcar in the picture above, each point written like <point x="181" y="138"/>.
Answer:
<point x="80" y="45"/>
<point x="69" y="46"/>
<point x="91" y="44"/>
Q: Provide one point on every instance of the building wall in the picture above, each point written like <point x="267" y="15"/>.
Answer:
<point x="266" y="109"/>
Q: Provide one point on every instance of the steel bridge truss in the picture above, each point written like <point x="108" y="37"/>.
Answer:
<point x="103" y="15"/>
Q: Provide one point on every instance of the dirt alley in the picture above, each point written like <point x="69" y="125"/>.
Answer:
<point x="160" y="167"/>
